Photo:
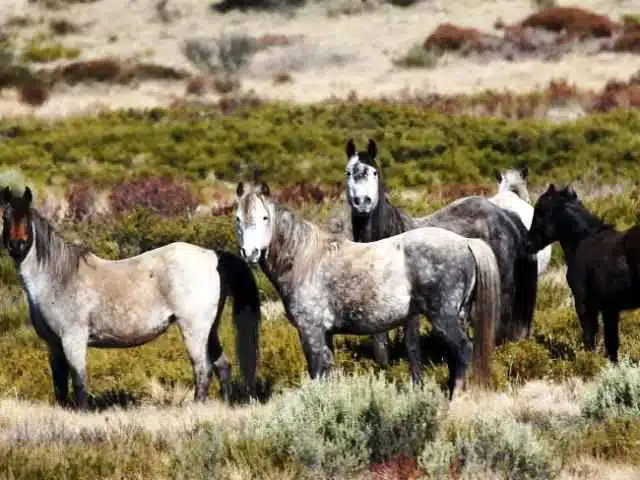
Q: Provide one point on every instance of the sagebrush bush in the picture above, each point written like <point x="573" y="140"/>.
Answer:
<point x="616" y="393"/>
<point x="339" y="425"/>
<point x="490" y="445"/>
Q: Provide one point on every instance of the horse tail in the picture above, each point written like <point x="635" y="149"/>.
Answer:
<point x="486" y="309"/>
<point x="240" y="283"/>
<point x="526" y="288"/>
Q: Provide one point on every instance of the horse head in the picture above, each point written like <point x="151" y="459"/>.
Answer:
<point x="514" y="180"/>
<point x="549" y="209"/>
<point x="17" y="230"/>
<point x="254" y="220"/>
<point x="363" y="178"/>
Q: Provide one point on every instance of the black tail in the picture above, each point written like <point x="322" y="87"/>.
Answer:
<point x="239" y="282"/>
<point x="526" y="288"/>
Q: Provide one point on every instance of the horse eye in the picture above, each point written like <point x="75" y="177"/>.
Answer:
<point x="348" y="174"/>
<point x="265" y="218"/>
<point x="375" y="173"/>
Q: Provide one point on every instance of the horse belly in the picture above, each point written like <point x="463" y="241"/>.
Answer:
<point x="136" y="327"/>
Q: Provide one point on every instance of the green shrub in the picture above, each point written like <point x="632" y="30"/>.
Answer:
<point x="290" y="143"/>
<point x="613" y="439"/>
<point x="617" y="392"/>
<point x="42" y="49"/>
<point x="498" y="445"/>
<point x="340" y="424"/>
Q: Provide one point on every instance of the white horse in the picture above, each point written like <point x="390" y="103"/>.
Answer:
<point x="513" y="195"/>
<point x="77" y="299"/>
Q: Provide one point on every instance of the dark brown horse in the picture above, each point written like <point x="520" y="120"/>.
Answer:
<point x="602" y="263"/>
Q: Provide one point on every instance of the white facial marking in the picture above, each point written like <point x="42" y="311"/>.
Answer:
<point x="362" y="185"/>
<point x="253" y="229"/>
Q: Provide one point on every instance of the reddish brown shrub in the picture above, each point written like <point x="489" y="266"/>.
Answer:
<point x="629" y="41"/>
<point x="33" y="92"/>
<point x="559" y="91"/>
<point x="81" y="198"/>
<point x="452" y="37"/>
<point x="400" y="467"/>
<point x="572" y="20"/>
<point x="454" y="191"/>
<point x="111" y="70"/>
<point x="160" y="195"/>
<point x="197" y="85"/>
<point x="302" y="193"/>
<point x="272" y="40"/>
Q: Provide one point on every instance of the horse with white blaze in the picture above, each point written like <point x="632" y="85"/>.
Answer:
<point x="330" y="285"/>
<point x="374" y="217"/>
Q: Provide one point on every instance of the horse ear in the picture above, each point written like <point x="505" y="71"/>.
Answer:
<point x="27" y="196"/>
<point x="7" y="195"/>
<point x="524" y="172"/>
<point x="264" y="189"/>
<point x="240" y="189"/>
<point x="497" y="174"/>
<point x="552" y="188"/>
<point x="372" y="148"/>
<point x="351" y="148"/>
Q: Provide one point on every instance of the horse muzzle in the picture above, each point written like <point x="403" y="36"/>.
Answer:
<point x="250" y="257"/>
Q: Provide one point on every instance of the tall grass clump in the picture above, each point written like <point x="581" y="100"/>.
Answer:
<point x="616" y="393"/>
<point x="490" y="444"/>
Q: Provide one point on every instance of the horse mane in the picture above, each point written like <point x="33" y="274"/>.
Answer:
<point x="385" y="220"/>
<point x="586" y="220"/>
<point x="298" y="244"/>
<point x="61" y="258"/>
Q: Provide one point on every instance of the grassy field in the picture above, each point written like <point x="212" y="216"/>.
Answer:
<point x="130" y="181"/>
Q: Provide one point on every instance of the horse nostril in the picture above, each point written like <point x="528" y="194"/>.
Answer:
<point x="367" y="200"/>
<point x="356" y="200"/>
<point x="243" y="252"/>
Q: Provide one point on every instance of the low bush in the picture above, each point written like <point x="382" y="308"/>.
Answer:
<point x="490" y="445"/>
<point x="42" y="49"/>
<point x="617" y="393"/>
<point x="328" y="428"/>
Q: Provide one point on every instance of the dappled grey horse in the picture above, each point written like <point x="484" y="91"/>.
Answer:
<point x="77" y="299"/>
<point x="374" y="217"/>
<point x="331" y="285"/>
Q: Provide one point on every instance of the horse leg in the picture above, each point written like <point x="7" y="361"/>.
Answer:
<point x="203" y="346"/>
<point x="459" y="350"/>
<point x="611" y="320"/>
<point x="75" y="352"/>
<point x="318" y="354"/>
<point x="588" y="317"/>
<point x="60" y="375"/>
<point x="381" y="348"/>
<point x="412" y="343"/>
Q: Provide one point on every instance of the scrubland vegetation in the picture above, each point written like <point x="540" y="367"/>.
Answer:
<point x="132" y="180"/>
<point x="127" y="182"/>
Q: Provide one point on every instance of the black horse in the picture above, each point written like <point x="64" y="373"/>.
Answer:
<point x="373" y="217"/>
<point x="602" y="263"/>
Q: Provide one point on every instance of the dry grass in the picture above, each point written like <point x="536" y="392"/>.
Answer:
<point x="325" y="64"/>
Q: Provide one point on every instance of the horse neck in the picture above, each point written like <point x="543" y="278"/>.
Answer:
<point x="575" y="224"/>
<point x="50" y="257"/>
<point x="385" y="220"/>
<point x="295" y="245"/>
